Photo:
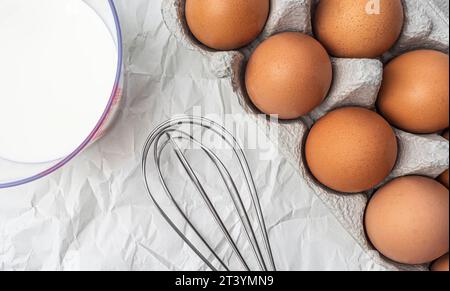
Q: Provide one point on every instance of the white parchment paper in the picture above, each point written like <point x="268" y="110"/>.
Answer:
<point x="95" y="215"/>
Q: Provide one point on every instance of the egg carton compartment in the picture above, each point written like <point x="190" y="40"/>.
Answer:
<point x="356" y="82"/>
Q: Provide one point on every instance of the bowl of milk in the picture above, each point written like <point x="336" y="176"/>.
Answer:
<point x="60" y="80"/>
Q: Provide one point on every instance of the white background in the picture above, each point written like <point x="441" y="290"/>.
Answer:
<point x="94" y="214"/>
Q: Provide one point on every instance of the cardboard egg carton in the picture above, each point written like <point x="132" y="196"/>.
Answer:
<point x="356" y="82"/>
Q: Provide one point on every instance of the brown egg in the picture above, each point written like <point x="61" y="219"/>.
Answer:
<point x="407" y="220"/>
<point x="226" y="24"/>
<point x="289" y="74"/>
<point x="444" y="178"/>
<point x="351" y="150"/>
<point x="415" y="92"/>
<point x="357" y="28"/>
<point x="441" y="265"/>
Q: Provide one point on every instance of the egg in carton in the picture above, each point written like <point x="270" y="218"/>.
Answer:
<point x="356" y="82"/>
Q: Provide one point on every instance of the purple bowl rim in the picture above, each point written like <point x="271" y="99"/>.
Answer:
<point x="102" y="120"/>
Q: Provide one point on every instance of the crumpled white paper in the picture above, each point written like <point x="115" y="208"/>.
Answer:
<point x="94" y="214"/>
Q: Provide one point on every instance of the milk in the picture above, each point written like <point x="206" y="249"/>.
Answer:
<point x="58" y="65"/>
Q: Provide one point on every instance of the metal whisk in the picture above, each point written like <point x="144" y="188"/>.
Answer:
<point x="170" y="134"/>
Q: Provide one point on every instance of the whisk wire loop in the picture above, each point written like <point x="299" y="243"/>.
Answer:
<point x="168" y="131"/>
